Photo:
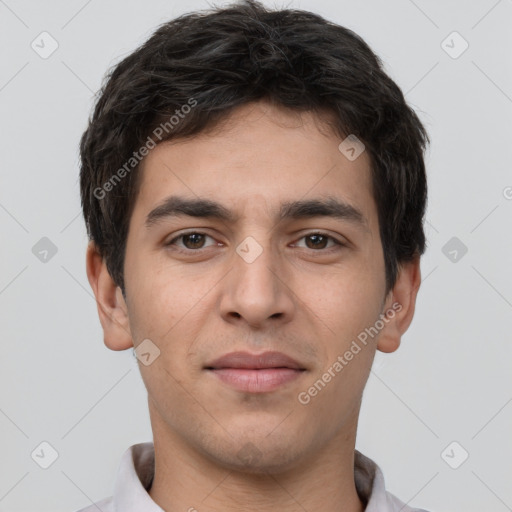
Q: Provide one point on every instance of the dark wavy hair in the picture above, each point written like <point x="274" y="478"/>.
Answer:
<point x="222" y="58"/>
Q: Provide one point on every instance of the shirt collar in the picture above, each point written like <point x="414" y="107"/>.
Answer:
<point x="134" y="478"/>
<point x="136" y="470"/>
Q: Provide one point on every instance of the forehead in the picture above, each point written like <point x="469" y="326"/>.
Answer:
<point x="258" y="156"/>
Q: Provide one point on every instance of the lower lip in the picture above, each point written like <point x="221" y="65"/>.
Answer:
<point x="257" y="381"/>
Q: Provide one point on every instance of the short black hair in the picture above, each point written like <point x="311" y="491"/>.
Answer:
<point x="195" y="69"/>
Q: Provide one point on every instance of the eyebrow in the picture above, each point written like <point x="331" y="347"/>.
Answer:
<point x="176" y="206"/>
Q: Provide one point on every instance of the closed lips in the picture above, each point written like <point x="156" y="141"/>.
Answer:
<point x="245" y="360"/>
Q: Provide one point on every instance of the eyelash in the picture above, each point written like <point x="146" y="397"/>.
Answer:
<point x="337" y="243"/>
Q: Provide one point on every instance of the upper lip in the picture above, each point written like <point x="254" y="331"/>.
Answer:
<point x="247" y="360"/>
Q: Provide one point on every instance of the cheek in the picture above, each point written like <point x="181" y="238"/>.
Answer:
<point x="169" y="305"/>
<point x="351" y="296"/>
<point x="349" y="304"/>
<point x="339" y="380"/>
<point x="160" y="295"/>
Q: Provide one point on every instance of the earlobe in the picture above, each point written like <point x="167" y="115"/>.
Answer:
<point x="400" y="305"/>
<point x="112" y="309"/>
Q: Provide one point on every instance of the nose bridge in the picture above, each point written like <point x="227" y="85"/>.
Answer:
<point x="255" y="259"/>
<point x="255" y="290"/>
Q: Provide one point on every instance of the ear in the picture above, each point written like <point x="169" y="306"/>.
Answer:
<point x="112" y="308"/>
<point x="399" y="305"/>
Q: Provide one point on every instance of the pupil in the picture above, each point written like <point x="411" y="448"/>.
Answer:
<point x="192" y="236"/>
<point x="317" y="237"/>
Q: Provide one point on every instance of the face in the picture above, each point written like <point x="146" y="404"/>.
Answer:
<point x="258" y="271"/>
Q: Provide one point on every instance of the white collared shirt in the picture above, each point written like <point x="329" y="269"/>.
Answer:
<point x="136" y="469"/>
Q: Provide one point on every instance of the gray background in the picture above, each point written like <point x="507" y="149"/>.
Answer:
<point x="450" y="381"/>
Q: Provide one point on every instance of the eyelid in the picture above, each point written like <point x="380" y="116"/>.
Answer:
<point x="190" y="232"/>
<point x="337" y="242"/>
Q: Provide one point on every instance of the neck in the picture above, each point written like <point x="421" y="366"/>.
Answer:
<point x="186" y="480"/>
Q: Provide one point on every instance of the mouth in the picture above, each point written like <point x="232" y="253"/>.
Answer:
<point x="255" y="373"/>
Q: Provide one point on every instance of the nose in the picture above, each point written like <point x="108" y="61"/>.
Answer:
<point x="257" y="289"/>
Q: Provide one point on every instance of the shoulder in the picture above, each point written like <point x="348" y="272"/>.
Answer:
<point x="370" y="486"/>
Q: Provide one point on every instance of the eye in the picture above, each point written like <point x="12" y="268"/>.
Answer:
<point x="318" y="241"/>
<point x="192" y="240"/>
<point x="195" y="240"/>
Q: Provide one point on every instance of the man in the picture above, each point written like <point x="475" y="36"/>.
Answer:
<point x="254" y="189"/>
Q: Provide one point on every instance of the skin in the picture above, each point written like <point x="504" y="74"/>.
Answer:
<point x="307" y="301"/>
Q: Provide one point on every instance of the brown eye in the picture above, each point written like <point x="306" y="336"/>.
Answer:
<point x="191" y="241"/>
<point x="319" y="241"/>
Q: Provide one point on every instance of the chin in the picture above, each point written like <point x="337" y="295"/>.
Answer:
<point x="258" y="455"/>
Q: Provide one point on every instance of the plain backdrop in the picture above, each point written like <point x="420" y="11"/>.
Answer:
<point x="436" y="415"/>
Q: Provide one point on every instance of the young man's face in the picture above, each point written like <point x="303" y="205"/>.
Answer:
<point x="253" y="284"/>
